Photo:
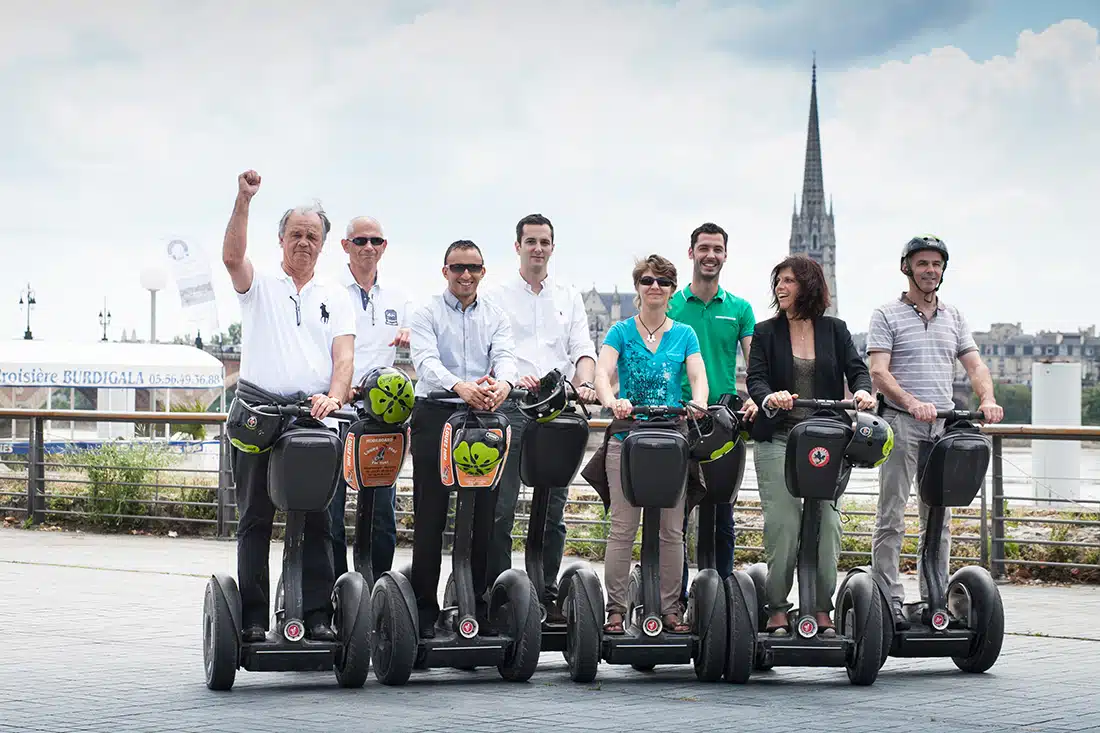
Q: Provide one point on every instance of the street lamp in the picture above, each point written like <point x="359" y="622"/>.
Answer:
<point x="104" y="318"/>
<point x="153" y="278"/>
<point x="30" y="302"/>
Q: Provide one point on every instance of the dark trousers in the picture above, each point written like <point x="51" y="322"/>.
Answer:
<point x="257" y="514"/>
<point x="383" y="529"/>
<point x="724" y="544"/>
<point x="430" y="502"/>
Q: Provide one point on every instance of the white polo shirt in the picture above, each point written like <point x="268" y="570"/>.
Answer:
<point x="379" y="313"/>
<point x="286" y="335"/>
<point x="550" y="327"/>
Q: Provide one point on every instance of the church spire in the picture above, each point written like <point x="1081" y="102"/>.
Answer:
<point x="813" y="183"/>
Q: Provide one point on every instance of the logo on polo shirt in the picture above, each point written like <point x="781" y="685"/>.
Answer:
<point x="324" y="313"/>
<point x="391" y="317"/>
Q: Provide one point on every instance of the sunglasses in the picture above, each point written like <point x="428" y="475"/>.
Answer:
<point x="647" y="280"/>
<point x="362" y="241"/>
<point x="459" y="268"/>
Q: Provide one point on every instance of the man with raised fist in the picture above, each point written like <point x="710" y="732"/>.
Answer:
<point x="297" y="343"/>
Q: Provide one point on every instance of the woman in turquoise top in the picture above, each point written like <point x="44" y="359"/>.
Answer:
<point x="650" y="352"/>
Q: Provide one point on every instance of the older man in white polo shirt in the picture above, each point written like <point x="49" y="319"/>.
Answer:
<point x="550" y="328"/>
<point x="381" y="325"/>
<point x="297" y="343"/>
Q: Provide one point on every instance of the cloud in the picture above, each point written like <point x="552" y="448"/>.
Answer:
<point x="612" y="118"/>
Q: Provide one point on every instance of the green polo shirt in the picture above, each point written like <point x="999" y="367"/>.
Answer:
<point x="720" y="326"/>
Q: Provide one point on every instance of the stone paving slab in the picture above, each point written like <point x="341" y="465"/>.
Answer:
<point x="106" y="635"/>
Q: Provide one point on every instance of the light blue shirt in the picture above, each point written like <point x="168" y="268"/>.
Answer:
<point x="647" y="378"/>
<point x="450" y="345"/>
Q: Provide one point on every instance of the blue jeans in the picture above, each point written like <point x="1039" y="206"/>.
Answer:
<point x="724" y="544"/>
<point x="383" y="530"/>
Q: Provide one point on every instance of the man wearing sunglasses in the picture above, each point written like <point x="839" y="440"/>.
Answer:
<point x="550" y="327"/>
<point x="381" y="325"/>
<point x="463" y="343"/>
<point x="297" y="343"/>
<point x="723" y="322"/>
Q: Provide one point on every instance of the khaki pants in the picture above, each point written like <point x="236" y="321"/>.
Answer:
<point x="896" y="477"/>
<point x="782" y="524"/>
<point x="620" y="545"/>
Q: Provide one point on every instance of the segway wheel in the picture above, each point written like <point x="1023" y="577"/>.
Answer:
<point x="758" y="573"/>
<point x="280" y="601"/>
<point x="523" y="623"/>
<point x="582" y="635"/>
<point x="741" y="645"/>
<point x="353" y="663"/>
<point x="394" y="642"/>
<point x="973" y="595"/>
<point x="887" y="614"/>
<point x="864" y="662"/>
<point x="633" y="604"/>
<point x="710" y="626"/>
<point x="219" y="639"/>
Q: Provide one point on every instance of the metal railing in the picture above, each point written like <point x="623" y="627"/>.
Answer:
<point x="988" y="538"/>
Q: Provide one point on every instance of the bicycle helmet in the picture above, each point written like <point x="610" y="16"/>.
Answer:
<point x="548" y="401"/>
<point x="250" y="430"/>
<point x="872" y="441"/>
<point x="917" y="244"/>
<point x="713" y="435"/>
<point x="477" y="450"/>
<point x="387" y="395"/>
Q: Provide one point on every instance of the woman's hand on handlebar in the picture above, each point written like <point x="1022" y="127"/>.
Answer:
<point x="321" y="405"/>
<point x="782" y="400"/>
<point x="863" y="400"/>
<point x="620" y="408"/>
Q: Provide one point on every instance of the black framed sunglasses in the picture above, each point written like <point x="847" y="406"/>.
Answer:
<point x="363" y="241"/>
<point x="648" y="280"/>
<point x="459" y="268"/>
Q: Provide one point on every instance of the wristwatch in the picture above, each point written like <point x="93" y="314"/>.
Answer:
<point x="589" y="385"/>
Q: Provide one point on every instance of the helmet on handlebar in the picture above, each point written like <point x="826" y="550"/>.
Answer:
<point x="547" y="402"/>
<point x="713" y="435"/>
<point x="872" y="441"/>
<point x="387" y="395"/>
<point x="250" y="430"/>
<point x="477" y="449"/>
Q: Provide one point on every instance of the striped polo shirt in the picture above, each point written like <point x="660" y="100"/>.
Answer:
<point x="922" y="351"/>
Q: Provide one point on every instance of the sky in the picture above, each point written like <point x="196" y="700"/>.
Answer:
<point x="627" y="122"/>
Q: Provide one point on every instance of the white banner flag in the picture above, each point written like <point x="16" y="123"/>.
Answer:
<point x="191" y="271"/>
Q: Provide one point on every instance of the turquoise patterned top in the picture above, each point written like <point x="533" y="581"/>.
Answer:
<point x="647" y="378"/>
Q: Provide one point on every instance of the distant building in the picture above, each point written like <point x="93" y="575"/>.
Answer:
<point x="1009" y="352"/>
<point x="812" y="231"/>
<point x="605" y="310"/>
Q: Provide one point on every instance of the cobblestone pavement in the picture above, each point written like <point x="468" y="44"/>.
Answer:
<point x="105" y="634"/>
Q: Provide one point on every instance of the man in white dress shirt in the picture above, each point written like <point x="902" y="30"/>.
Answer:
<point x="381" y="325"/>
<point x="297" y="343"/>
<point x="550" y="328"/>
<point x="463" y="343"/>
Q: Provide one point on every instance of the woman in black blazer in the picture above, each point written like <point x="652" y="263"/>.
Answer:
<point x="799" y="353"/>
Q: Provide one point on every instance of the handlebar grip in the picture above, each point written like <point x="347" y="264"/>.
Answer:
<point x="961" y="415"/>
<point x="442" y="394"/>
<point x="652" y="410"/>
<point x="826" y="404"/>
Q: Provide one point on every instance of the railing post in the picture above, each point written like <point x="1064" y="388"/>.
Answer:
<point x="223" y="482"/>
<point x="983" y="531"/>
<point x="36" y="472"/>
<point x="997" y="545"/>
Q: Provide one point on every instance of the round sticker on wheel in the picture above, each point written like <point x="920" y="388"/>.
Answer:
<point x="652" y="625"/>
<point x="468" y="628"/>
<point x="819" y="456"/>
<point x="939" y="621"/>
<point x="294" y="630"/>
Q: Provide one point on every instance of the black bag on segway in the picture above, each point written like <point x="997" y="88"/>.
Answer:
<point x="952" y="471"/>
<point x="304" y="469"/>
<point x="814" y="463"/>
<point x="555" y="439"/>
<point x="473" y="449"/>
<point x="654" y="465"/>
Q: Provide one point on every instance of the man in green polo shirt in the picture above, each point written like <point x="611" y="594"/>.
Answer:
<point x="722" y="321"/>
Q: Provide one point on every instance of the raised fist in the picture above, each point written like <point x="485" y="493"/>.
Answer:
<point x="248" y="183"/>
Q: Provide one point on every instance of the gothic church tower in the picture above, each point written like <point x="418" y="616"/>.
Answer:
<point x="812" y="227"/>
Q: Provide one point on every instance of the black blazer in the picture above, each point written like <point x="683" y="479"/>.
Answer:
<point x="771" y="366"/>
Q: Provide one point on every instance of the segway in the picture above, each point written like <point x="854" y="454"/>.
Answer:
<point x="821" y="452"/>
<point x="473" y="449"/>
<point x="302" y="474"/>
<point x="654" y="467"/>
<point x="963" y="617"/>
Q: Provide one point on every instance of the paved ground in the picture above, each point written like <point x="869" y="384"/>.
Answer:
<point x="106" y="635"/>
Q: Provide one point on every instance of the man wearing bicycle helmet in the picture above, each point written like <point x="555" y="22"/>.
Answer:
<point x="463" y="343"/>
<point x="913" y="343"/>
<point x="550" y="327"/>
<point x="381" y="325"/>
<point x="297" y="343"/>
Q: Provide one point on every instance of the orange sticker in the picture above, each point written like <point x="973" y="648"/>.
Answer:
<point x="445" y="473"/>
<point x="380" y="459"/>
<point x="349" y="462"/>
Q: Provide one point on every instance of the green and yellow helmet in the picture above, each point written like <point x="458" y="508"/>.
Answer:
<point x="872" y="441"/>
<point x="387" y="395"/>
<point x="713" y="435"/>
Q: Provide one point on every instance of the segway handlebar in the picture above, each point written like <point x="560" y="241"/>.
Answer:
<point x="827" y="404"/>
<point x="961" y="415"/>
<point x="447" y="395"/>
<point x="303" y="411"/>
<point x="657" y="410"/>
